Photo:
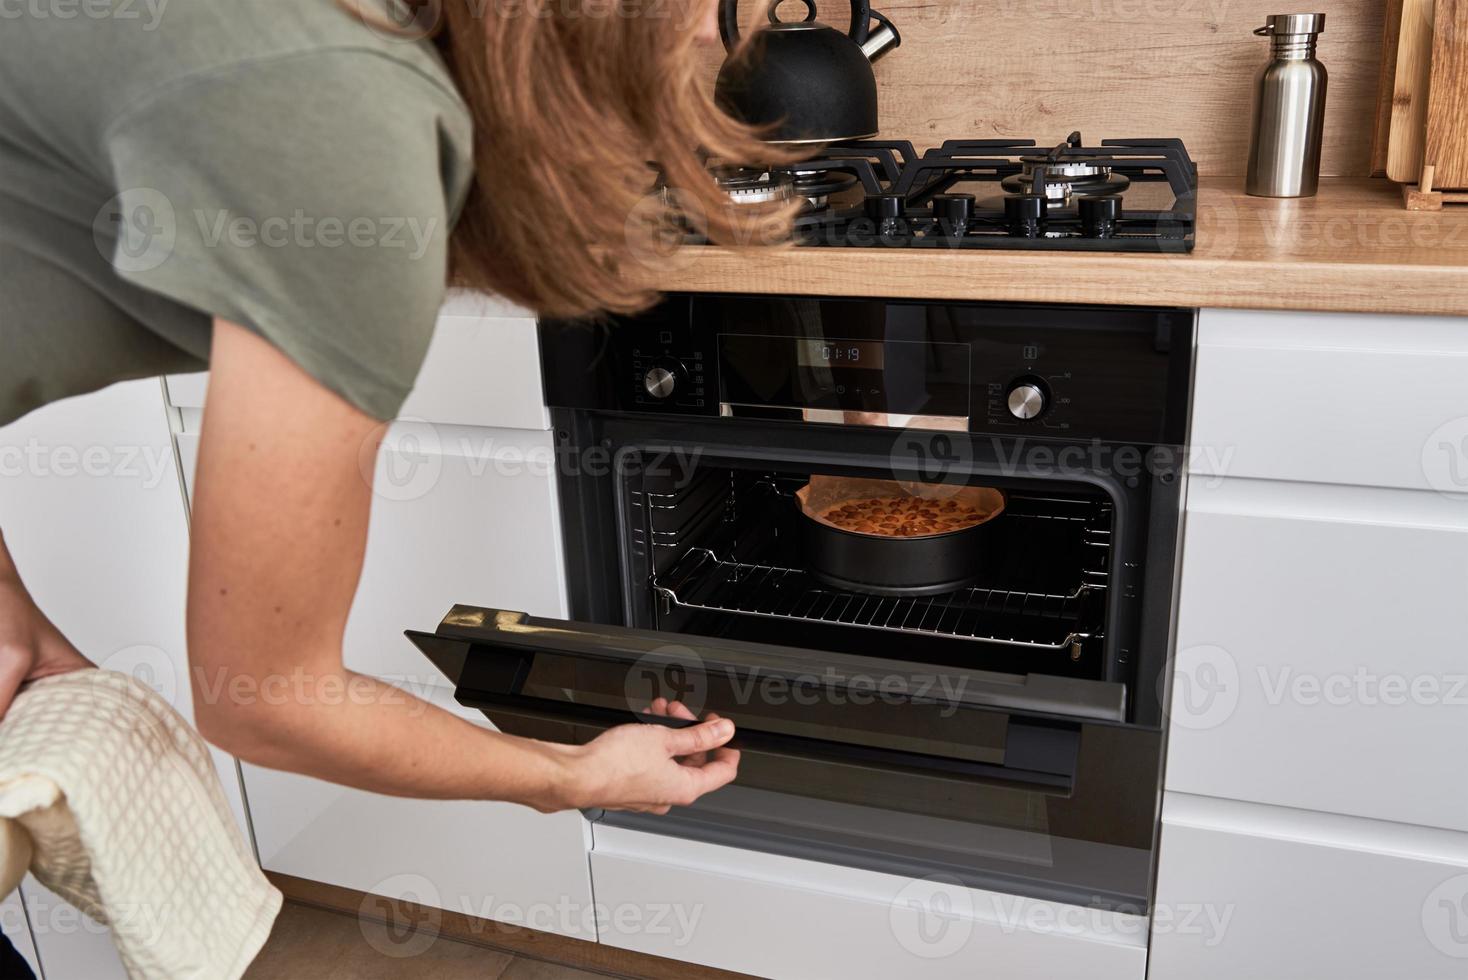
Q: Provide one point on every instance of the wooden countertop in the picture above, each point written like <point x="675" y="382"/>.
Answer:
<point x="1350" y="248"/>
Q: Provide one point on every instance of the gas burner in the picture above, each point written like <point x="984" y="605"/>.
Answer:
<point x="1059" y="182"/>
<point x="1065" y="172"/>
<point x="817" y="185"/>
<point x="1133" y="195"/>
<point x="751" y="185"/>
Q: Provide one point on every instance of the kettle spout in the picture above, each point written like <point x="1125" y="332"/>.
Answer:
<point x="881" y="39"/>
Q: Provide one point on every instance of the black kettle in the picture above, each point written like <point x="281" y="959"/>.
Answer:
<point x="805" y="82"/>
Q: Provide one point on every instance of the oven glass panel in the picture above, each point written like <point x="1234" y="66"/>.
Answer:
<point x="897" y="377"/>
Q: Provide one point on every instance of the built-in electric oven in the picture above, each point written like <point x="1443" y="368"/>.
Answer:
<point x="1008" y="733"/>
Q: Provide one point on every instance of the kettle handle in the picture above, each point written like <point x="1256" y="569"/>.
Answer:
<point x="861" y="20"/>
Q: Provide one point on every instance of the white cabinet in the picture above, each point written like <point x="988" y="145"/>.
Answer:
<point x="1332" y="398"/>
<point x="782" y="917"/>
<point x="1315" y="814"/>
<point x="1325" y="565"/>
<point x="92" y="512"/>
<point x="68" y="945"/>
<point x="482" y="368"/>
<point x="459" y="514"/>
<point x="490" y="860"/>
<point x="1320" y="651"/>
<point x="1252" y="891"/>
<point x="17" y="929"/>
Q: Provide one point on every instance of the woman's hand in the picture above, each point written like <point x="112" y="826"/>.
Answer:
<point x="649" y="768"/>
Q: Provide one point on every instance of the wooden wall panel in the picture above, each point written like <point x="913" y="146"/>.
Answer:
<point x="1114" y="68"/>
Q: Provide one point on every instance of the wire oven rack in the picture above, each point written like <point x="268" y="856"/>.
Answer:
<point x="703" y="581"/>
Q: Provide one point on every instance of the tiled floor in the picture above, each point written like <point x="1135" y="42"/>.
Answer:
<point x="309" y="944"/>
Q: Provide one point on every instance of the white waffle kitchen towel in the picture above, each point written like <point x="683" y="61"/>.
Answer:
<point x="123" y="816"/>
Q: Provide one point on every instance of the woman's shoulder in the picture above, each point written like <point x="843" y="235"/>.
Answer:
<point x="245" y="42"/>
<point x="153" y="53"/>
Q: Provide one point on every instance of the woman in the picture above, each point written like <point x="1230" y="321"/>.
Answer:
<point x="268" y="187"/>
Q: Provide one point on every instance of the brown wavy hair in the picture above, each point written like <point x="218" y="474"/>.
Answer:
<point x="581" y="110"/>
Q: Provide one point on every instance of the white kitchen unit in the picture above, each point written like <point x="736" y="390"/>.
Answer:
<point x="17" y="928"/>
<point x="1255" y="891"/>
<point x="464" y="506"/>
<point x="1325" y="563"/>
<point x="92" y="512"/>
<point x="1315" y="798"/>
<point x="67" y="944"/>
<point x="782" y="917"/>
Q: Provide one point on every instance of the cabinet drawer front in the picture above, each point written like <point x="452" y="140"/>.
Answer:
<point x="1359" y="902"/>
<point x="482" y="367"/>
<point x="481" y="370"/>
<point x="1332" y="398"/>
<point x="456" y="511"/>
<point x="1320" y="651"/>
<point x="494" y="861"/>
<point x="781" y="917"/>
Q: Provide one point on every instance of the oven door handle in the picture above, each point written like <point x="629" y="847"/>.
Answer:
<point x="797" y="746"/>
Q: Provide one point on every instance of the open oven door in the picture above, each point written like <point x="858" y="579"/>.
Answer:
<point x="1008" y="781"/>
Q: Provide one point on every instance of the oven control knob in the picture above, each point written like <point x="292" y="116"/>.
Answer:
<point x="1026" y="400"/>
<point x="661" y="379"/>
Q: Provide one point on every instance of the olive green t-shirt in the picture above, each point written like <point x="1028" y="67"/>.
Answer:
<point x="272" y="162"/>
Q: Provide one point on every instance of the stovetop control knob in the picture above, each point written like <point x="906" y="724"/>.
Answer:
<point x="1099" y="215"/>
<point x="1023" y="213"/>
<point x="661" y="380"/>
<point x="884" y="207"/>
<point x="1027" y="400"/>
<point x="953" y="213"/>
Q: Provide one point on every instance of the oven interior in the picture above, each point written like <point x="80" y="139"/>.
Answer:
<point x="719" y="549"/>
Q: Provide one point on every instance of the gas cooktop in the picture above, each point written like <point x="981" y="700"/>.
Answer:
<point x="1133" y="195"/>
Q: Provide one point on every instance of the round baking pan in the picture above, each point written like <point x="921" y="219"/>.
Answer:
<point x="887" y="565"/>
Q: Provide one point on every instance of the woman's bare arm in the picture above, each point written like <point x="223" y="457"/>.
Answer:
<point x="279" y="527"/>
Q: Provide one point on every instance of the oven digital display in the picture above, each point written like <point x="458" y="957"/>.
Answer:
<point x="865" y="354"/>
<point x="845" y="374"/>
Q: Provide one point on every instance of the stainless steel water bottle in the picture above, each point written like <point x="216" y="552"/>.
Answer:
<point x="1289" y="110"/>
